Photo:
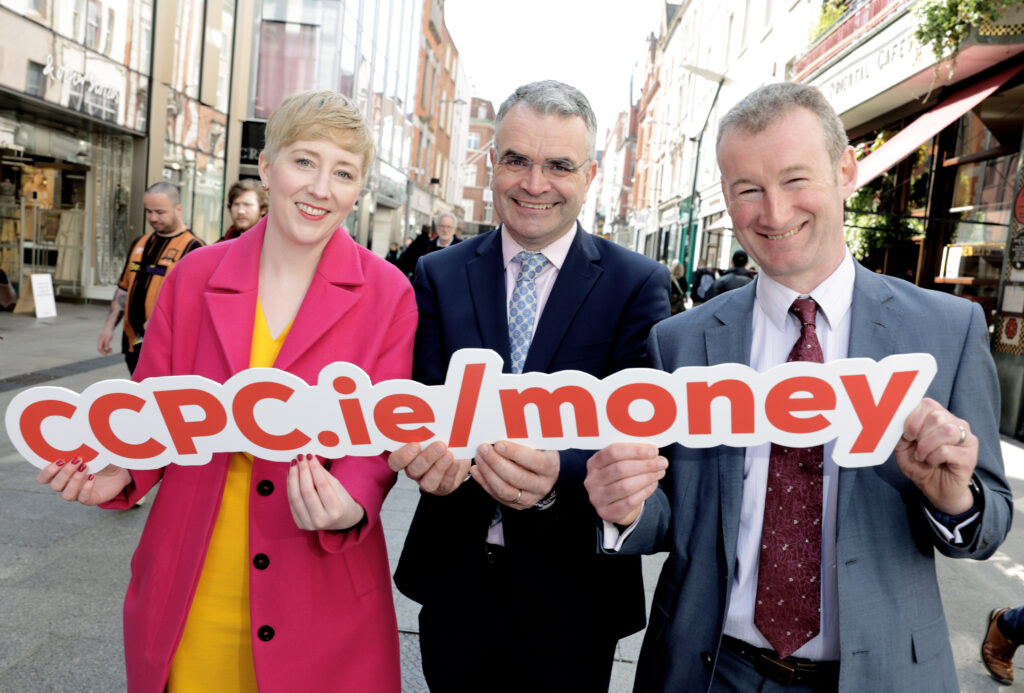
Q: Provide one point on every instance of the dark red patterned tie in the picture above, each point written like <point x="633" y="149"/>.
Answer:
<point x="788" y="611"/>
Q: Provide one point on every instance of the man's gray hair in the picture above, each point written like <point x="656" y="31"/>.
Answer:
<point x="165" y="188"/>
<point x="557" y="98"/>
<point x="442" y="215"/>
<point x="764" y="106"/>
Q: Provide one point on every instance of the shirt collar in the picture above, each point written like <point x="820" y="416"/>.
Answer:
<point x="833" y="296"/>
<point x="555" y="252"/>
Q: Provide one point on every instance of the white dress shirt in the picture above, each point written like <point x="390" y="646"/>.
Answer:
<point x="555" y="253"/>
<point x="775" y="331"/>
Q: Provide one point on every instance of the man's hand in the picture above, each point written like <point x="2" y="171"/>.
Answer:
<point x="435" y="469"/>
<point x="515" y="475"/>
<point x="73" y="481"/>
<point x="621" y="477"/>
<point x="938" y="452"/>
<point x="317" y="499"/>
<point x="103" y="343"/>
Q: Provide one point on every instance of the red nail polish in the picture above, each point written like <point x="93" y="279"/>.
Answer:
<point x="74" y="462"/>
<point x="60" y="463"/>
<point x="91" y="477"/>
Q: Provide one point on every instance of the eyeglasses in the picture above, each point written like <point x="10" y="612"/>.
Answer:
<point x="521" y="166"/>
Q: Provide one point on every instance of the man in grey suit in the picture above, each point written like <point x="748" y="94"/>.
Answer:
<point x="875" y="615"/>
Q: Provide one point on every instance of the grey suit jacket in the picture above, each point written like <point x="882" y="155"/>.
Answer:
<point x="893" y="633"/>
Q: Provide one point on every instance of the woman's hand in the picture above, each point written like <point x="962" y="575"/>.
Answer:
<point x="73" y="481"/>
<point x="317" y="499"/>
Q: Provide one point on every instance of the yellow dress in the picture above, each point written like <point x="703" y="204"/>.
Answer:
<point x="215" y="652"/>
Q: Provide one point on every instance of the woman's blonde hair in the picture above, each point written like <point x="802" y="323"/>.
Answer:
<point x="320" y="115"/>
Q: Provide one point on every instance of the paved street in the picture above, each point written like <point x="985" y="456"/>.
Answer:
<point x="64" y="567"/>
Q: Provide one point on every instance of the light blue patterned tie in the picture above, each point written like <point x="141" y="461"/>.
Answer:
<point x="522" y="311"/>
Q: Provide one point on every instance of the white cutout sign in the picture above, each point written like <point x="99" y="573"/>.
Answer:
<point x="275" y="415"/>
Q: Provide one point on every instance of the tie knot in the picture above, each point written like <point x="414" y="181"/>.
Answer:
<point x="805" y="309"/>
<point x="530" y="264"/>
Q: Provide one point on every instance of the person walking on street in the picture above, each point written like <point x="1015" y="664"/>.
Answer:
<point x="732" y="278"/>
<point x="1004" y="635"/>
<point x="247" y="204"/>
<point x="150" y="259"/>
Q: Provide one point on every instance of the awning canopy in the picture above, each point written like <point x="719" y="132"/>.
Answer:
<point x="928" y="125"/>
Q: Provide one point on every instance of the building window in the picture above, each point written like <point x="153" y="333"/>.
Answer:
<point x="93" y="25"/>
<point x="111" y="23"/>
<point x="474" y="141"/>
<point x="287" y="63"/>
<point x="35" y="84"/>
<point x="469" y="179"/>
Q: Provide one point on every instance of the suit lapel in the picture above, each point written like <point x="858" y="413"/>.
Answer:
<point x="230" y="297"/>
<point x="486" y="276"/>
<point x="579" y="273"/>
<point x="871" y="336"/>
<point x="327" y="300"/>
<point x="729" y="342"/>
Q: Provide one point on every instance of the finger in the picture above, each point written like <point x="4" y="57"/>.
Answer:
<point x="47" y="473"/>
<point x="85" y="495"/>
<point x="620" y="490"/>
<point x="625" y="469"/>
<point x="75" y="480"/>
<point x="523" y="456"/>
<point x="432" y="480"/>
<point x="625" y="510"/>
<point x="621" y="451"/>
<point x="507" y="471"/>
<point x="327" y="491"/>
<point x="434" y="453"/>
<point x="454" y="477"/>
<point x="295" y="500"/>
<point x="500" y="490"/>
<point x="308" y="491"/>
<point x="917" y="419"/>
<point x="403" y="456"/>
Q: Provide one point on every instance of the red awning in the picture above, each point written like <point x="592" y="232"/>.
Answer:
<point x="928" y="125"/>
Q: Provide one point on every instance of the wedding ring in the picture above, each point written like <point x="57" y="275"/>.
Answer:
<point x="516" y="501"/>
<point x="963" y="436"/>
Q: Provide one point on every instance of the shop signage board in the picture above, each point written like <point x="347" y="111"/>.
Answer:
<point x="42" y="292"/>
<point x="860" y="403"/>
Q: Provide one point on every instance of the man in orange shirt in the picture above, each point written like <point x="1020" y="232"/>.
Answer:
<point x="151" y="258"/>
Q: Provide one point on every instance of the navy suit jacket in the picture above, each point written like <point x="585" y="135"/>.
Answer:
<point x="601" y="309"/>
<point x="892" y="630"/>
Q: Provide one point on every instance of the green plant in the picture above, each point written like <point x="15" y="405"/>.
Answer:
<point x="943" y="25"/>
<point x="831" y="11"/>
<point x="873" y="222"/>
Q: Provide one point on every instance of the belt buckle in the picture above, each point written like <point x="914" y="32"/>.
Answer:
<point x="777" y="670"/>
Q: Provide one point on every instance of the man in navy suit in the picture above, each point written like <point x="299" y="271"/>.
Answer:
<point x="500" y="551"/>
<point x="875" y="619"/>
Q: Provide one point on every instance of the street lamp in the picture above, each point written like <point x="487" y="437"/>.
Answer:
<point x="687" y="255"/>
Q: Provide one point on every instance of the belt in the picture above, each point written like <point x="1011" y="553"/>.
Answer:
<point x="494" y="554"/>
<point x="785" y="671"/>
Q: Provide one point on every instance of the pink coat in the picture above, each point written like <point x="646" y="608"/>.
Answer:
<point x="325" y="598"/>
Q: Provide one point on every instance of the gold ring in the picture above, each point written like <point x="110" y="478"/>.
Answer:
<point x="516" y="501"/>
<point x="963" y="436"/>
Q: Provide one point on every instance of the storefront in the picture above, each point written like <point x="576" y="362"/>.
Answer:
<point x="73" y="114"/>
<point x="940" y="171"/>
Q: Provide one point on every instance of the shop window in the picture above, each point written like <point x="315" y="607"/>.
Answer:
<point x="35" y="83"/>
